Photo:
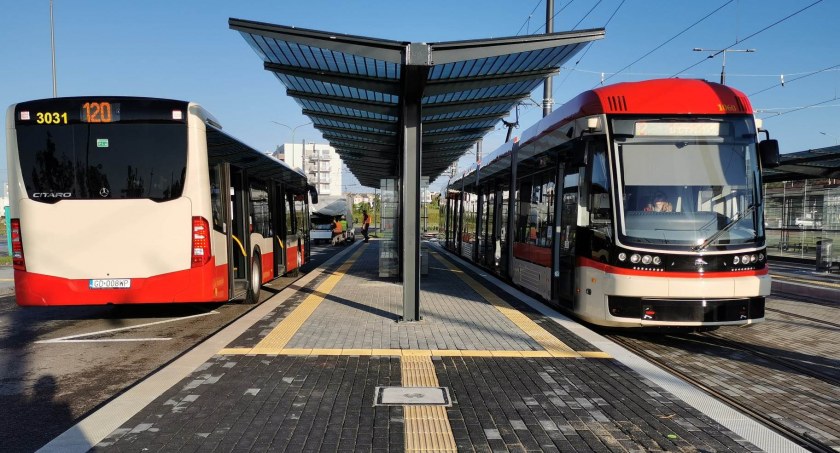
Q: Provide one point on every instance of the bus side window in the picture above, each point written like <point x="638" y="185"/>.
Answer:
<point x="290" y="216"/>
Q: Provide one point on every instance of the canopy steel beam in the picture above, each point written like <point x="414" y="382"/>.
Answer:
<point x="381" y="108"/>
<point x="341" y="137"/>
<point x="378" y="85"/>
<point x="435" y="136"/>
<point x="429" y="126"/>
<point x="381" y="138"/>
<point x="364" y="152"/>
<point x="377" y="49"/>
<point x="443" y="86"/>
<point x="390" y="126"/>
<point x="455" y="51"/>
<point x="457" y="106"/>
<point x="349" y="144"/>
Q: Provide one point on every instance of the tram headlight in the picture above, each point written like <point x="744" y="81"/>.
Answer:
<point x="745" y="259"/>
<point x="657" y="260"/>
<point x="635" y="258"/>
<point x="761" y="257"/>
<point x="753" y="258"/>
<point x="622" y="256"/>
<point x="736" y="260"/>
<point x="646" y="259"/>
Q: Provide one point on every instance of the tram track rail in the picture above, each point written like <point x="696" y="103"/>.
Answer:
<point x="802" y="438"/>
<point x="808" y="371"/>
<point x="799" y="316"/>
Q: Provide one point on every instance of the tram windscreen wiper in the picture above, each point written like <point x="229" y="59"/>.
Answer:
<point x="735" y="219"/>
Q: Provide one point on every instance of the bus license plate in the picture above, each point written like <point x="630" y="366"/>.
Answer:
<point x="110" y="283"/>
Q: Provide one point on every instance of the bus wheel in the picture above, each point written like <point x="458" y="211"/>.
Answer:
<point x="253" y="294"/>
<point x="296" y="272"/>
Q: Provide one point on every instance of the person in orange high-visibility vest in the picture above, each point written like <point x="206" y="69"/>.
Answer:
<point x="365" y="225"/>
<point x="337" y="231"/>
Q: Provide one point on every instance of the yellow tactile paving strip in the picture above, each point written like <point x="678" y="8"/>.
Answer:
<point x="283" y="332"/>
<point x="552" y="344"/>
<point x="426" y="428"/>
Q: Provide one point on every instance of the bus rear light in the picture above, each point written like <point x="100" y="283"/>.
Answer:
<point x="200" y="241"/>
<point x="18" y="260"/>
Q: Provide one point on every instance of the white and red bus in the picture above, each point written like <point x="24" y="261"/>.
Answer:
<point x="636" y="204"/>
<point x="126" y="200"/>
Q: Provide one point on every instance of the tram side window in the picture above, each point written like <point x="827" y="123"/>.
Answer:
<point x="535" y="221"/>
<point x="470" y="208"/>
<point x="260" y="213"/>
<point x="216" y="198"/>
<point x="599" y="190"/>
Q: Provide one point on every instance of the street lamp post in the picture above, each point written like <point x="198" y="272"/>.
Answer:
<point x="293" y="129"/>
<point x="723" y="51"/>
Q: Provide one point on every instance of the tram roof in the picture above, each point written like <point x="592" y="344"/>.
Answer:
<point x="352" y="88"/>
<point x="810" y="164"/>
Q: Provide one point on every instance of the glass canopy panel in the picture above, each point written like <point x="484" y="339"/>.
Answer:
<point x="510" y="89"/>
<point x="300" y="55"/>
<point x="500" y="109"/>
<point x="334" y="123"/>
<point x="329" y="89"/>
<point x="340" y="110"/>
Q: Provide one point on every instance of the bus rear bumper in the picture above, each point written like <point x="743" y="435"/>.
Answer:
<point x="203" y="284"/>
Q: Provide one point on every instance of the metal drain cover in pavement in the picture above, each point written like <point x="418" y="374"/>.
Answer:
<point x="412" y="396"/>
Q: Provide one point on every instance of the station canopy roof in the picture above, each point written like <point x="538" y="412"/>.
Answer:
<point x="353" y="88"/>
<point x="810" y="164"/>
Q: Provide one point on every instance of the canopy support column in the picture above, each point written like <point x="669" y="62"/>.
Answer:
<point x="415" y="75"/>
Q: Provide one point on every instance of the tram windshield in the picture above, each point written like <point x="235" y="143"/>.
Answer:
<point x="688" y="183"/>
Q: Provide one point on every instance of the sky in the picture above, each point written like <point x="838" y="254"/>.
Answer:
<point x="184" y="50"/>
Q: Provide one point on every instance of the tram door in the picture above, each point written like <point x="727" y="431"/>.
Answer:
<point x="239" y="238"/>
<point x="565" y="233"/>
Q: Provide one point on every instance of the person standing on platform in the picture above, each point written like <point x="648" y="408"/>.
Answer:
<point x="365" y="225"/>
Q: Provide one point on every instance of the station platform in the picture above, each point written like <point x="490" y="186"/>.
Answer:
<point x="325" y="366"/>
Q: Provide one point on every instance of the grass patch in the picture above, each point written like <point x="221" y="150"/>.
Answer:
<point x="5" y="260"/>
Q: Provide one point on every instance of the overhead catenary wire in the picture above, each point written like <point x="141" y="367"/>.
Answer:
<point x="542" y="27"/>
<point x="783" y="82"/>
<point x="796" y="109"/>
<point x="670" y="39"/>
<point x="587" y="14"/>
<point x="750" y="36"/>
<point x="586" y="50"/>
<point x="528" y="19"/>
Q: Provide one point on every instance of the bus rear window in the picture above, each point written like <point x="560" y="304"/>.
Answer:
<point x="103" y="161"/>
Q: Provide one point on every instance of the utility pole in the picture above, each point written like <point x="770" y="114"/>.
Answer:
<point x="52" y="48"/>
<point x="548" y="102"/>
<point x="723" y="51"/>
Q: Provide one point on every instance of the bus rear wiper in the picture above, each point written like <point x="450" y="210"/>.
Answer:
<point x="737" y="218"/>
